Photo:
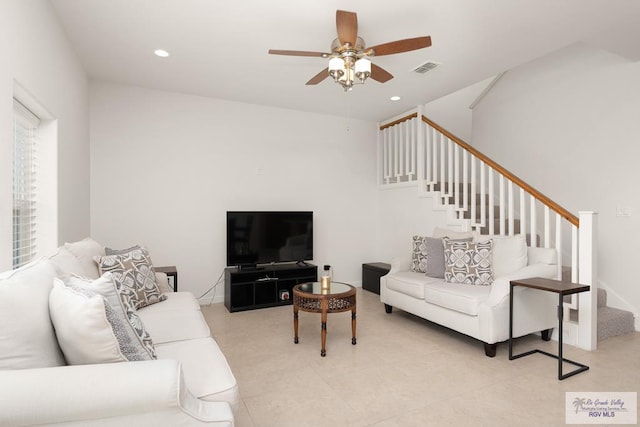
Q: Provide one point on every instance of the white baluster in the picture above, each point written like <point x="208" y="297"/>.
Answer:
<point x="434" y="158"/>
<point x="483" y="198"/>
<point x="385" y="158"/>
<point x="423" y="157"/>
<point x="559" y="245"/>
<point x="502" y="207"/>
<point x="511" y="207"/>
<point x="450" y="168"/>
<point x="443" y="164"/>
<point x="547" y="228"/>
<point x="474" y="196"/>
<point x="523" y="212"/>
<point x="574" y="254"/>
<point x="534" y="222"/>
<point x="492" y="209"/>
<point x="456" y="176"/>
<point x="396" y="153"/>
<point x="465" y="181"/>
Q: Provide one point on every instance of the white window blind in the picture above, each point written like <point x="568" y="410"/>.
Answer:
<point x="25" y="124"/>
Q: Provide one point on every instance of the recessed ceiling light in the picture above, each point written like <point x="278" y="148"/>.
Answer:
<point x="395" y="98"/>
<point x="161" y="53"/>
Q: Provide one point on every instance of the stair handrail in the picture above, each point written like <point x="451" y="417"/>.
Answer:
<point x="564" y="213"/>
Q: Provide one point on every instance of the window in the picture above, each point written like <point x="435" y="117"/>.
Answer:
<point x="25" y="124"/>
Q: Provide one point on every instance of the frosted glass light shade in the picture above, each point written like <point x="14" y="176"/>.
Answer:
<point x="363" y="66"/>
<point x="336" y="64"/>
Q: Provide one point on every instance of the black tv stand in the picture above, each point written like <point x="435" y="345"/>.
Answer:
<point x="270" y="286"/>
<point x="249" y="267"/>
<point x="302" y="262"/>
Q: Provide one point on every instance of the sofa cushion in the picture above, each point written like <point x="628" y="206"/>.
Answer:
<point x="134" y="275"/>
<point x="67" y="263"/>
<point x="409" y="283"/>
<point x="174" y="325"/>
<point x="90" y="330"/>
<point x="456" y="296"/>
<point x="468" y="262"/>
<point x="205" y="368"/>
<point x="27" y="337"/>
<point x="105" y="285"/>
<point x="86" y="250"/>
<point x="509" y="253"/>
<point x="175" y="301"/>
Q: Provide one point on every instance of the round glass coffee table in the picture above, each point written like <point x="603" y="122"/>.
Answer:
<point x="313" y="298"/>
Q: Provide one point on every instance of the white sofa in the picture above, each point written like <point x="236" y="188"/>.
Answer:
<point x="481" y="312"/>
<point x="190" y="382"/>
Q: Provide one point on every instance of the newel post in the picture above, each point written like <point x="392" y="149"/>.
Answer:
<point x="420" y="152"/>
<point x="587" y="275"/>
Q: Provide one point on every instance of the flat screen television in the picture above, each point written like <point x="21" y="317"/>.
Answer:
<point x="255" y="238"/>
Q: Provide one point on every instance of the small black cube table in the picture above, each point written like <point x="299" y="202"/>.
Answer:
<point x="562" y="289"/>
<point x="371" y="273"/>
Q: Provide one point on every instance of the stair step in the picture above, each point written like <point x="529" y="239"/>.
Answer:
<point x="613" y="322"/>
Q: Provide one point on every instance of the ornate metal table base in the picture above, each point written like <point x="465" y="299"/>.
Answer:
<point x="311" y="298"/>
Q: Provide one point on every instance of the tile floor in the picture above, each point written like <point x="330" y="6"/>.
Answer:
<point x="404" y="371"/>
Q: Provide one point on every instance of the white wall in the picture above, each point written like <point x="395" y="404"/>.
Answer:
<point x="568" y="124"/>
<point x="35" y="53"/>
<point x="165" y="168"/>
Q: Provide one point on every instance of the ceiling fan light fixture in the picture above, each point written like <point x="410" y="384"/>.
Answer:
<point x="336" y="68"/>
<point x="363" y="69"/>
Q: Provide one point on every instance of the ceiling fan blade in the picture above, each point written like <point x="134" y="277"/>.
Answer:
<point x="319" y="77"/>
<point x="379" y="74"/>
<point x="298" y="53"/>
<point x="347" y="25"/>
<point x="400" y="46"/>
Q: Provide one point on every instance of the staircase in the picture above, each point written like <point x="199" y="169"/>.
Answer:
<point x="479" y="194"/>
<point x="611" y="321"/>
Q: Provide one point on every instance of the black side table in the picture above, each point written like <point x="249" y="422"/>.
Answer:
<point x="371" y="274"/>
<point x="562" y="289"/>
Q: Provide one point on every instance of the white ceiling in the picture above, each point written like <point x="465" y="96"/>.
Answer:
<point x="219" y="48"/>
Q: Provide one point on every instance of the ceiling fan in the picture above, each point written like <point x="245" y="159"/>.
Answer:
<point x="349" y="56"/>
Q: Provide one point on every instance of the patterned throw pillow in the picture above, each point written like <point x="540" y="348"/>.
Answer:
<point x="428" y="255"/>
<point x="419" y="254"/>
<point x="468" y="262"/>
<point x="134" y="276"/>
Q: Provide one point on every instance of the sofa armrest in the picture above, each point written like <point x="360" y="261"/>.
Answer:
<point x="500" y="286"/>
<point x="149" y="392"/>
<point x="402" y="263"/>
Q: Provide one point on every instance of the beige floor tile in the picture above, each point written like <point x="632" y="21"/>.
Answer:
<point x="404" y="371"/>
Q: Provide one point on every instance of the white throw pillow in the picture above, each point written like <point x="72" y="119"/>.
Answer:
<point x="67" y="264"/>
<point x="509" y="253"/>
<point x="27" y="338"/>
<point x="86" y="250"/>
<point x="83" y="330"/>
<point x="94" y="325"/>
<point x="439" y="233"/>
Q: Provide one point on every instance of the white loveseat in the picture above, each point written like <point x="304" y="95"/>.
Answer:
<point x="189" y="383"/>
<point x="481" y="312"/>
